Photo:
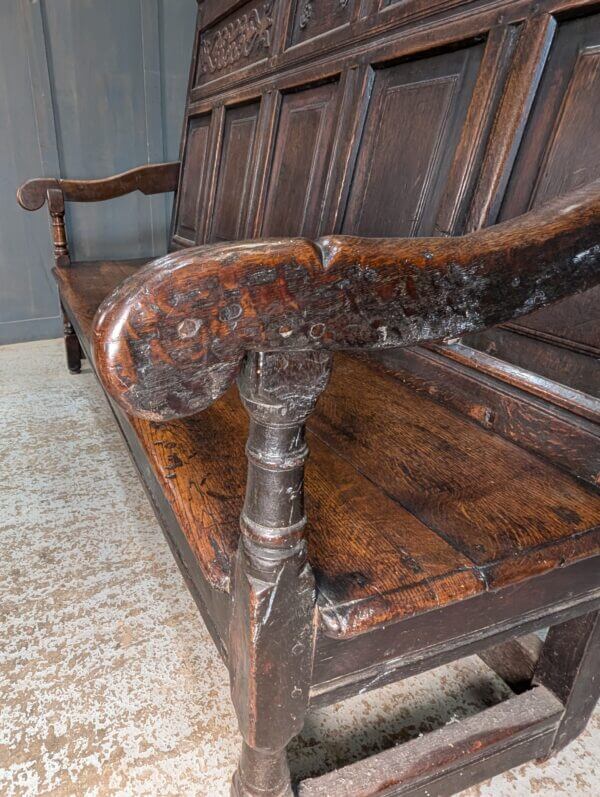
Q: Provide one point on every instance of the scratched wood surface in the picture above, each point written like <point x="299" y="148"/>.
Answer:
<point x="171" y="339"/>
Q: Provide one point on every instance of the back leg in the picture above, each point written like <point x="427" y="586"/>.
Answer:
<point x="568" y="666"/>
<point x="72" y="345"/>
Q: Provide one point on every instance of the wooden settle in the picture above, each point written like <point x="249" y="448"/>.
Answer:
<point x="386" y="230"/>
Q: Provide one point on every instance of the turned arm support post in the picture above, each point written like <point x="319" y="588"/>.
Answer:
<point x="56" y="208"/>
<point x="279" y="392"/>
<point x="271" y="630"/>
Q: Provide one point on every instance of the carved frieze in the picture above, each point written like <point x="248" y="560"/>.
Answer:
<point x="246" y="36"/>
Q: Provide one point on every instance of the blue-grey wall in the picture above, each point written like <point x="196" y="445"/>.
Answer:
<point x="88" y="88"/>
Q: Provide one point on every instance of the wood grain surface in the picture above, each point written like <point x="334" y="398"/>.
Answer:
<point x="155" y="178"/>
<point x="389" y="537"/>
<point x="171" y="339"/>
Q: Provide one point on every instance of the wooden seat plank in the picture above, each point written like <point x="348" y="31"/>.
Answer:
<point x="391" y="535"/>
<point x="509" y="512"/>
<point x="374" y="561"/>
<point x="84" y="285"/>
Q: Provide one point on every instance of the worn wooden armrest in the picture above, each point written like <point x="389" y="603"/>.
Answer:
<point x="169" y="341"/>
<point x="157" y="178"/>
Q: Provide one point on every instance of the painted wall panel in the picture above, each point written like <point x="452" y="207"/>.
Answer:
<point x="27" y="297"/>
<point x="88" y="88"/>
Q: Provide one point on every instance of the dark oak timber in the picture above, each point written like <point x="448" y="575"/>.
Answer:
<point x="357" y="530"/>
<point x="152" y="179"/>
<point x="453" y="757"/>
<point x="568" y="666"/>
<point x="274" y="588"/>
<point x="371" y="453"/>
<point x="72" y="346"/>
<point x="515" y="661"/>
<point x="170" y="340"/>
<point x="56" y="208"/>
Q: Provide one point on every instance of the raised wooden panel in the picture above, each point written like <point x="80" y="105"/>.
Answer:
<point x="243" y="38"/>
<point x="567" y="164"/>
<point x="234" y="173"/>
<point x="413" y="125"/>
<point x="560" y="151"/>
<point x="561" y="147"/>
<point x="300" y="162"/>
<point x="192" y="176"/>
<point x="314" y="17"/>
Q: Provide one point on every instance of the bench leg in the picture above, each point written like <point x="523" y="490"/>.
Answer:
<point x="261" y="772"/>
<point x="568" y="667"/>
<point x="272" y="624"/>
<point x="72" y="345"/>
<point x="270" y="660"/>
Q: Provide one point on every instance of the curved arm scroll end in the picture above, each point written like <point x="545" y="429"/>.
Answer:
<point x="156" y="371"/>
<point x="32" y="194"/>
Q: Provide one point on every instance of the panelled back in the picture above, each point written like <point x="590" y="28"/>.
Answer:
<point x="566" y="122"/>
<point x="194" y="173"/>
<point x="234" y="172"/>
<point x="286" y="135"/>
<point x="560" y="151"/>
<point x="393" y="117"/>
<point x="301" y="156"/>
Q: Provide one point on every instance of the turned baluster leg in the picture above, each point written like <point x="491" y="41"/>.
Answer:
<point x="272" y="624"/>
<point x="56" y="206"/>
<point x="568" y="666"/>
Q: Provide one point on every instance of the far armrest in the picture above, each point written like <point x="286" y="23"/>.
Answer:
<point x="170" y="340"/>
<point x="158" y="178"/>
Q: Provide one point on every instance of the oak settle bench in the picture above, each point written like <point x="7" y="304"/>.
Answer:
<point x="452" y="487"/>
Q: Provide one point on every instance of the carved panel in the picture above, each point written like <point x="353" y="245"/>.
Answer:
<point x="235" y="172"/>
<point x="413" y="125"/>
<point x="192" y="176"/>
<point x="302" y="154"/>
<point x="314" y="17"/>
<point x="241" y="39"/>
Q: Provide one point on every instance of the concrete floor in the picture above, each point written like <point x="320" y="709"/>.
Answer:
<point x="109" y="683"/>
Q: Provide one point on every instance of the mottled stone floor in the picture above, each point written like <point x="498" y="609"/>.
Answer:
<point x="109" y="684"/>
